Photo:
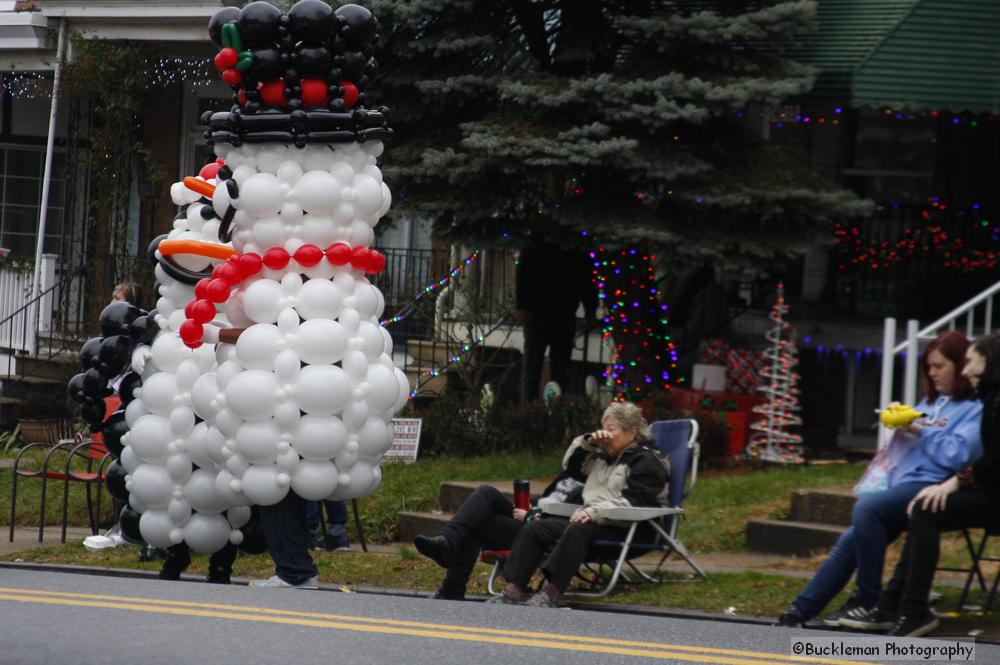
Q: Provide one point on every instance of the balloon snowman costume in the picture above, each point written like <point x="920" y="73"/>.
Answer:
<point x="305" y="396"/>
<point x="271" y="373"/>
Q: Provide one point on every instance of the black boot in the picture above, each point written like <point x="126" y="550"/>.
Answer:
<point x="436" y="548"/>
<point x="218" y="575"/>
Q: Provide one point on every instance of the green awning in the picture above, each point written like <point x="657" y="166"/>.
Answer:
<point x="918" y="55"/>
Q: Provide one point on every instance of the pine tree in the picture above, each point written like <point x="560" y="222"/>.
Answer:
<point x="618" y="122"/>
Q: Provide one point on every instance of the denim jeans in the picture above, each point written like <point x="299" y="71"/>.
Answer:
<point x="336" y="520"/>
<point x="877" y="520"/>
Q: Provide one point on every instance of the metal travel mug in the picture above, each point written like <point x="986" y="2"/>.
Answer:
<point x="522" y="494"/>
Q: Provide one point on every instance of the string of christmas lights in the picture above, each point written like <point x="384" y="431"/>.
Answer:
<point x="635" y="320"/>
<point x="930" y="236"/>
<point x="465" y="348"/>
<point x="433" y="287"/>
<point x="160" y="73"/>
<point x="771" y="440"/>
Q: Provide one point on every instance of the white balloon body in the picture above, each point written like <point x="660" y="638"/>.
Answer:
<point x="303" y="400"/>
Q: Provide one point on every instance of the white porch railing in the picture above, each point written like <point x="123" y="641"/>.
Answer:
<point x="974" y="318"/>
<point x="18" y="329"/>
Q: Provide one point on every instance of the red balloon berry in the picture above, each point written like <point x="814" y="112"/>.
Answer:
<point x="308" y="255"/>
<point x="232" y="76"/>
<point x="272" y="93"/>
<point x="350" y="93"/>
<point x="338" y="254"/>
<point x="276" y="258"/>
<point x="314" y="92"/>
<point x="226" y="58"/>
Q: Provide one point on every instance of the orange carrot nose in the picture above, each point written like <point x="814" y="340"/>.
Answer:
<point x="196" y="247"/>
<point x="199" y="186"/>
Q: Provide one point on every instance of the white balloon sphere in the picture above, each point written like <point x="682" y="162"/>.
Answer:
<point x="181" y="420"/>
<point x="314" y="480"/>
<point x="168" y="351"/>
<point x="367" y="300"/>
<point x="137" y="505"/>
<point x="227" y="421"/>
<point x="318" y="192"/>
<point x="261" y="301"/>
<point x="152" y="485"/>
<point x="386" y="201"/>
<point x="320" y="437"/>
<point x="235" y="312"/>
<point x="194" y="446"/>
<point x="130" y="461"/>
<point x="269" y="232"/>
<point x="214" y="444"/>
<point x="136" y="409"/>
<point x="287" y="416"/>
<point x="155" y="527"/>
<point x="383" y="389"/>
<point x="179" y="511"/>
<point x="355" y="364"/>
<point x="188" y="372"/>
<point x="227" y="370"/>
<point x="260" y="195"/>
<point x="238" y="516"/>
<point x="179" y="467"/>
<point x="257" y="441"/>
<point x="262" y="486"/>
<point x="149" y="437"/>
<point x="320" y="341"/>
<point x="368" y="195"/>
<point x="289" y="172"/>
<point x="318" y="230"/>
<point x="373" y="341"/>
<point x="322" y="389"/>
<point x="200" y="492"/>
<point x="374" y="438"/>
<point x="224" y="486"/>
<point x="206" y="533"/>
<point x="404" y="389"/>
<point x="251" y="394"/>
<point x="257" y="346"/>
<point x="204" y="396"/>
<point x="319" y="299"/>
<point x="355" y="414"/>
<point x="359" y="479"/>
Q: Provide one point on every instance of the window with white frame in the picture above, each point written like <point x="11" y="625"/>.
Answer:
<point x="21" y="170"/>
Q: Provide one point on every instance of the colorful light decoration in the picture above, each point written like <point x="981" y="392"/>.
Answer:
<point x="771" y="440"/>
<point x="433" y="287"/>
<point x="954" y="252"/>
<point x="636" y="320"/>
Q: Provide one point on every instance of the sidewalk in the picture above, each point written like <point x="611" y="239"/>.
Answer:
<point x="26" y="538"/>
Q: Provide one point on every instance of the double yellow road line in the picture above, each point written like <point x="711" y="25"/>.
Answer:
<point x="359" y="624"/>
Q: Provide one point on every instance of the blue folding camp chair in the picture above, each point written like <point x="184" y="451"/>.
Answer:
<point x="677" y="440"/>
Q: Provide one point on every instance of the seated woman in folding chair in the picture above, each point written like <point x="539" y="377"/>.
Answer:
<point x="927" y="451"/>
<point x="487" y="519"/>
<point x="621" y="472"/>
<point x="963" y="501"/>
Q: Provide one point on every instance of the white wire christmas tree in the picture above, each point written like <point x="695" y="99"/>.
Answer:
<point x="771" y="440"/>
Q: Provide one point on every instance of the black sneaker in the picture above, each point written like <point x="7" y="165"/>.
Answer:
<point x="436" y="548"/>
<point x="834" y="619"/>
<point x="791" y="618"/>
<point x="914" y="626"/>
<point x="866" y="618"/>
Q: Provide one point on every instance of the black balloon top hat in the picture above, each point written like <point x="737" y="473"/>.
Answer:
<point x="299" y="77"/>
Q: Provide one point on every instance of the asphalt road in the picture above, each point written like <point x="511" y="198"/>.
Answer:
<point x="55" y="618"/>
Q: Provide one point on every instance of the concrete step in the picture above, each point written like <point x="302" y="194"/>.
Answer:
<point x="428" y="353"/>
<point x="412" y="524"/>
<point x="824" y="506"/>
<point x="452" y="493"/>
<point x="791" y="537"/>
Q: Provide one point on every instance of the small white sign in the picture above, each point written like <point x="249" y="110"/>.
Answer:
<point x="405" y="440"/>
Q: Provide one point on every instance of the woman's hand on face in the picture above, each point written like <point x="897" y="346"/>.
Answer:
<point x="519" y="514"/>
<point x="580" y="517"/>
<point x="600" y="436"/>
<point x="934" y="497"/>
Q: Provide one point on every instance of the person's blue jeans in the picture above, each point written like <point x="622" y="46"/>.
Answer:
<point x="878" y="519"/>
<point x="336" y="521"/>
<point x="287" y="535"/>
